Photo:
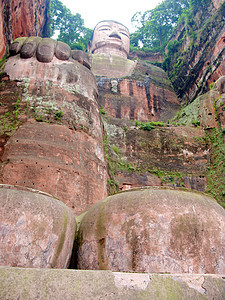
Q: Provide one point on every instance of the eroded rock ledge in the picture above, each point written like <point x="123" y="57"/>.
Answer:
<point x="18" y="283"/>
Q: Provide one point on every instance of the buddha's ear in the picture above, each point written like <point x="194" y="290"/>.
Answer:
<point x="89" y="46"/>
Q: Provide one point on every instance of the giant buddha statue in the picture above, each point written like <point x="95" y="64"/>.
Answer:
<point x="109" y="46"/>
<point x="110" y="38"/>
<point x="128" y="89"/>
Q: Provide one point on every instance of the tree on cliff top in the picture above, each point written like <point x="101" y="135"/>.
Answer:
<point x="154" y="27"/>
<point x="70" y="27"/>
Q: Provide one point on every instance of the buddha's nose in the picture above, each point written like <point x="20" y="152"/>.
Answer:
<point x="115" y="34"/>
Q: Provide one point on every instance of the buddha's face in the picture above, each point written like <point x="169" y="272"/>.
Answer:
<point x="110" y="37"/>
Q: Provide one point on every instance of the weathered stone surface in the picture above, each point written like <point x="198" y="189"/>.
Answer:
<point x="169" y="155"/>
<point x="199" y="61"/>
<point x="111" y="66"/>
<point x="23" y="14"/>
<point x="65" y="86"/>
<point x="23" y="18"/>
<point x="221" y="111"/>
<point x="65" y="163"/>
<point x="145" y="96"/>
<point x="73" y="284"/>
<point x="65" y="159"/>
<point x="201" y="110"/>
<point x="16" y="46"/>
<point x="136" y="100"/>
<point x="29" y="47"/>
<point x="36" y="229"/>
<point x="217" y="66"/>
<point x="154" y="230"/>
<point x="62" y="51"/>
<point x="128" y="180"/>
<point x="220" y="84"/>
<point x="2" y="36"/>
<point x="46" y="50"/>
<point x="82" y="57"/>
<point x="145" y="55"/>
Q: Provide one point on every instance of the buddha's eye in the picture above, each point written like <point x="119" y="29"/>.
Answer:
<point x="104" y="29"/>
<point x="124" y="33"/>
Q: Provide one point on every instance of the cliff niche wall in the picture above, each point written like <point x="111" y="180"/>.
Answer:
<point x="78" y="127"/>
<point x="196" y="52"/>
<point x="22" y="18"/>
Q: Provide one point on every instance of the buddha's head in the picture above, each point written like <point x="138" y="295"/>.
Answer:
<point x="110" y="37"/>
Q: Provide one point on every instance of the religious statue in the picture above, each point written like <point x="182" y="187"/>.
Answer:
<point x="110" y="37"/>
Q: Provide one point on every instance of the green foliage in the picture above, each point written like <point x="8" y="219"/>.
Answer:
<point x="58" y="115"/>
<point x="103" y="111"/>
<point x="211" y="86"/>
<point x="155" y="26"/>
<point x="200" y="29"/>
<point x="70" y="27"/>
<point x="196" y="123"/>
<point x="2" y="63"/>
<point x="195" y="5"/>
<point x="148" y="125"/>
<point x="10" y="121"/>
<point x="216" y="168"/>
<point x="116" y="149"/>
<point x="113" y="186"/>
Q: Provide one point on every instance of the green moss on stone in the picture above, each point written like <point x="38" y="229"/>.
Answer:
<point x="216" y="168"/>
<point x="61" y="239"/>
<point x="100" y="236"/>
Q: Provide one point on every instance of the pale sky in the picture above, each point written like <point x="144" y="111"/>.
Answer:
<point x="93" y="11"/>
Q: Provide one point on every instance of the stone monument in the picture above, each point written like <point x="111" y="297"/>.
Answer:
<point x="128" y="88"/>
<point x="110" y="38"/>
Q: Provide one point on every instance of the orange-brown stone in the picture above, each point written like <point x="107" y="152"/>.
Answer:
<point x="154" y="230"/>
<point x="37" y="231"/>
<point x="2" y="36"/>
<point x="136" y="100"/>
<point x="21" y="18"/>
<point x="62" y="162"/>
<point x="65" y="159"/>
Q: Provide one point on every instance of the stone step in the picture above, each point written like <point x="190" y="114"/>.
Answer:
<point x="21" y="283"/>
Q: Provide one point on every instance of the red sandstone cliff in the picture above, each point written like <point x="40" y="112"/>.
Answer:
<point x="196" y="56"/>
<point x="22" y="18"/>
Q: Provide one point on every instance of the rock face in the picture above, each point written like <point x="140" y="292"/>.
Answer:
<point x="22" y="18"/>
<point x="57" y="160"/>
<point x="2" y="37"/>
<point x="36" y="229"/>
<point x="159" y="155"/>
<point x="144" y="55"/>
<point x="201" y="110"/>
<point x="220" y="84"/>
<point x="62" y="154"/>
<point x="146" y="95"/>
<point x="199" y="59"/>
<point x="154" y="230"/>
<point x="111" y="66"/>
<point x="217" y="3"/>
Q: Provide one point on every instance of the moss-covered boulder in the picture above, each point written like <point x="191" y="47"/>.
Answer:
<point x="154" y="230"/>
<point x="36" y="230"/>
